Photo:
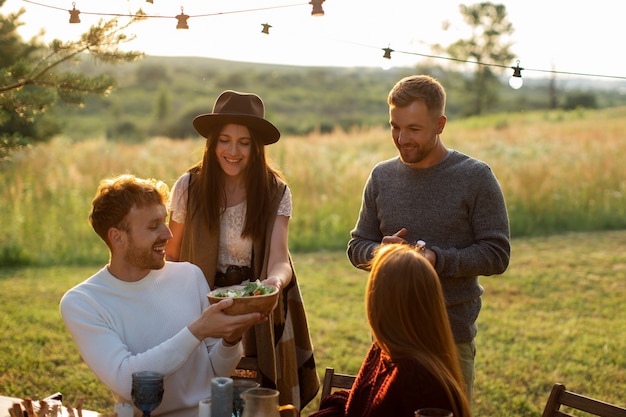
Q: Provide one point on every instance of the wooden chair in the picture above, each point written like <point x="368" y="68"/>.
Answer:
<point x="561" y="396"/>
<point x="333" y="380"/>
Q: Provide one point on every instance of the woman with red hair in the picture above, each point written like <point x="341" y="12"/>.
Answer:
<point x="413" y="362"/>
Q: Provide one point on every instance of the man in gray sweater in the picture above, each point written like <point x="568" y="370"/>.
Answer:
<point x="450" y="203"/>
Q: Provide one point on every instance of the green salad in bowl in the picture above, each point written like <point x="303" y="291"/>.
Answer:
<point x="248" y="298"/>
<point x="251" y="289"/>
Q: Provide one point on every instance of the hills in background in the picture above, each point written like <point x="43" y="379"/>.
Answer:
<point x="159" y="96"/>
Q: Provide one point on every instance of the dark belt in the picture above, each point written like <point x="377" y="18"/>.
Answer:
<point x="234" y="275"/>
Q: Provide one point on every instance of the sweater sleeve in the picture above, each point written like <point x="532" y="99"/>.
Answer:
<point x="366" y="235"/>
<point x="109" y="357"/>
<point x="177" y="203"/>
<point x="333" y="405"/>
<point x="120" y="328"/>
<point x="224" y="359"/>
<point x="489" y="254"/>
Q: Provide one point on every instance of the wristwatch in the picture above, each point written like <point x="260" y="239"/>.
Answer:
<point x="420" y="245"/>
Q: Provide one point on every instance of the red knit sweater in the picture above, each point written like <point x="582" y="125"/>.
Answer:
<point x="384" y="389"/>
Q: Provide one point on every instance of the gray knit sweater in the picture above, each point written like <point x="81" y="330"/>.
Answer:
<point x="457" y="208"/>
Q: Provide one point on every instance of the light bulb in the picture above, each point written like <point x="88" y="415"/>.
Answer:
<point x="516" y="82"/>
<point x="516" y="79"/>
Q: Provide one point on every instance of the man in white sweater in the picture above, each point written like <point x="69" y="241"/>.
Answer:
<point x="141" y="313"/>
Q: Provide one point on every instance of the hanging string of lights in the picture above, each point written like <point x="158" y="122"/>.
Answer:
<point x="517" y="70"/>
<point x="515" y="81"/>
<point x="74" y="13"/>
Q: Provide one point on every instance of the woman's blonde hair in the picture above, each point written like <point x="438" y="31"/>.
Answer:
<point x="408" y="317"/>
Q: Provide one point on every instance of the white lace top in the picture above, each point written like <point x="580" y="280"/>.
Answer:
<point x="233" y="249"/>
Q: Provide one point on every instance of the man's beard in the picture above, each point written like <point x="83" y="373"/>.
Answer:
<point x="143" y="258"/>
<point x="414" y="156"/>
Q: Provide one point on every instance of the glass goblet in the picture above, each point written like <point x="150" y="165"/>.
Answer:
<point x="240" y="385"/>
<point x="147" y="391"/>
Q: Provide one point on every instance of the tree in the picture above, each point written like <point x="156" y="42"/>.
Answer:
<point x="161" y="112"/>
<point x="35" y="77"/>
<point x="580" y="99"/>
<point x="486" y="45"/>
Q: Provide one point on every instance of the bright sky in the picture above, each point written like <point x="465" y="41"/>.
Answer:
<point x="559" y="35"/>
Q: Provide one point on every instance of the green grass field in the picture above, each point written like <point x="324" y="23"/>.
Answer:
<point x="557" y="314"/>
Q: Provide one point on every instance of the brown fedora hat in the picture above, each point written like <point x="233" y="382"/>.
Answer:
<point x="239" y="108"/>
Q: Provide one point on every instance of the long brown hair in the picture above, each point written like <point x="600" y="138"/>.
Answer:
<point x="408" y="317"/>
<point x="261" y="184"/>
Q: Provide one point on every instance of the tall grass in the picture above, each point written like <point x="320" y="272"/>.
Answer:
<point x="560" y="171"/>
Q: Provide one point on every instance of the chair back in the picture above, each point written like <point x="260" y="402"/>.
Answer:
<point x="560" y="396"/>
<point x="333" y="380"/>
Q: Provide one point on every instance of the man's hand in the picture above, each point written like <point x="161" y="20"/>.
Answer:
<point x="213" y="322"/>
<point x="397" y="237"/>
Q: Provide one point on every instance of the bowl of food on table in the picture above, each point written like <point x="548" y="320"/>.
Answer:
<point x="253" y="297"/>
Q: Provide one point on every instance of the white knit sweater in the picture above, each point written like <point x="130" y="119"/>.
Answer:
<point x="122" y="327"/>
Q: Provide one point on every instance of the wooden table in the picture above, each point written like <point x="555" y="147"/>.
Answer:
<point x="7" y="402"/>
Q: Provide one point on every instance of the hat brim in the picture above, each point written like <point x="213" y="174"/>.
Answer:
<point x="268" y="133"/>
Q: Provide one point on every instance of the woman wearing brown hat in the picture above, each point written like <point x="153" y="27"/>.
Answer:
<point x="229" y="214"/>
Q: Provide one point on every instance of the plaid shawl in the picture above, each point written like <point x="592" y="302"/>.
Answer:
<point x="282" y="344"/>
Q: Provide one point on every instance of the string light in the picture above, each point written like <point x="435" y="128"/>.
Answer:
<point x="319" y="11"/>
<point x="387" y="61"/>
<point x="182" y="20"/>
<point x="581" y="74"/>
<point x="145" y="16"/>
<point x="317" y="8"/>
<point x="387" y="54"/>
<point x="516" y="81"/>
<point x="74" y="14"/>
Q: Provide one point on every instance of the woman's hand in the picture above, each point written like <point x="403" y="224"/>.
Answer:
<point x="274" y="281"/>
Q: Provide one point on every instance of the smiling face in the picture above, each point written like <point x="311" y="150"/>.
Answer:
<point x="144" y="240"/>
<point x="415" y="133"/>
<point x="233" y="148"/>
